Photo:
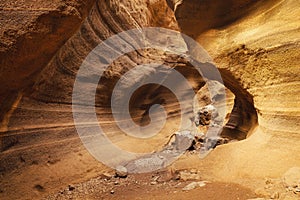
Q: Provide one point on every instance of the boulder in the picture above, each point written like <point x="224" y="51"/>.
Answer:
<point x="121" y="172"/>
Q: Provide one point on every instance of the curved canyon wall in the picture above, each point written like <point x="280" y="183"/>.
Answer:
<point x="254" y="44"/>
<point x="258" y="58"/>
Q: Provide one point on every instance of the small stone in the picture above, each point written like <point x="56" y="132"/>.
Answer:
<point x="190" y="186"/>
<point x="153" y="182"/>
<point x="193" y="185"/>
<point x="121" y="172"/>
<point x="183" y="140"/>
<point x="112" y="191"/>
<point x="91" y="190"/>
<point x="116" y="183"/>
<point x="193" y="171"/>
<point x="106" y="176"/>
<point x="288" y="189"/>
<point x="269" y="181"/>
<point x="39" y="187"/>
<point x="155" y="178"/>
<point x="202" y="183"/>
<point x="71" y="187"/>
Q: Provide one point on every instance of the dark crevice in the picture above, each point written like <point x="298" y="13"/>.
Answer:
<point x="243" y="117"/>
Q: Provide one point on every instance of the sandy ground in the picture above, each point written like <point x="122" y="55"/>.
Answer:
<point x="160" y="185"/>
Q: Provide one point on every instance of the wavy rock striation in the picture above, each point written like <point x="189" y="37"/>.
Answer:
<point x="254" y="44"/>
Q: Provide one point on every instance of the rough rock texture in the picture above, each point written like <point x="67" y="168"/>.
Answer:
<point x="26" y="29"/>
<point x="258" y="55"/>
<point x="255" y="45"/>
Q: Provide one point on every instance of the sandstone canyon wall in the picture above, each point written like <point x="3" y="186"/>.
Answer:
<point x="254" y="44"/>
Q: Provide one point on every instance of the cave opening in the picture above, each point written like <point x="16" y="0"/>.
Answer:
<point x="241" y="116"/>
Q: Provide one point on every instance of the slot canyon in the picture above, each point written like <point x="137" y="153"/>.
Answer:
<point x="254" y="45"/>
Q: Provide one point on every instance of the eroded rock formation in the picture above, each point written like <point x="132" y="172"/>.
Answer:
<point x="254" y="44"/>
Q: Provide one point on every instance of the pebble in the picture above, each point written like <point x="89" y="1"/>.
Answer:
<point x="153" y="183"/>
<point x="193" y="185"/>
<point x="71" y="187"/>
<point x="112" y="191"/>
<point x="201" y="184"/>
<point x="155" y="178"/>
<point x="288" y="189"/>
<point x="106" y="176"/>
<point x="121" y="172"/>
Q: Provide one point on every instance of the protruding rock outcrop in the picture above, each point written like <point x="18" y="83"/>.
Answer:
<point x="254" y="44"/>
